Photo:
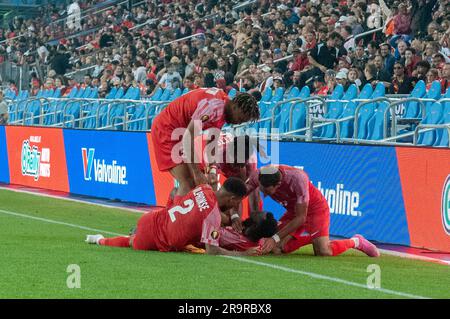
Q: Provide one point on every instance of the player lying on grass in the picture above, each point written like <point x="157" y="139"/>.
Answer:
<point x="307" y="217"/>
<point x="184" y="119"/>
<point x="196" y="220"/>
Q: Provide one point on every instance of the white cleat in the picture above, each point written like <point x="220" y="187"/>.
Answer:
<point x="94" y="239"/>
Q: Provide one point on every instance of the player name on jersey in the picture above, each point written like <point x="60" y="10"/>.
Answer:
<point x="200" y="199"/>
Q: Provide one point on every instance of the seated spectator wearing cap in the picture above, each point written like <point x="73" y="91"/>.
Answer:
<point x="401" y="83"/>
<point x="319" y="86"/>
<point x="341" y="78"/>
<point x="300" y="60"/>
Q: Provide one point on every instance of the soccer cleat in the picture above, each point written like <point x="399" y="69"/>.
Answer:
<point x="94" y="239"/>
<point x="366" y="247"/>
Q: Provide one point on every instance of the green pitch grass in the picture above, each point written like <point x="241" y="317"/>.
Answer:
<point x="35" y="254"/>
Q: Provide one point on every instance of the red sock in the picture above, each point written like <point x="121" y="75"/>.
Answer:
<point x="296" y="243"/>
<point x="123" y="241"/>
<point x="340" y="246"/>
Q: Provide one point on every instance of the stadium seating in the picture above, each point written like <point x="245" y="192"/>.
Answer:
<point x="335" y="110"/>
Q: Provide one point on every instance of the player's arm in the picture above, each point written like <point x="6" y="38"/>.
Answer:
<point x="216" y="250"/>
<point x="301" y="210"/>
<point x="192" y="159"/>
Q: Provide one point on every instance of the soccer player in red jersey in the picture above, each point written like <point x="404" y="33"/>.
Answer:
<point x="234" y="157"/>
<point x="176" y="127"/>
<point x="259" y="225"/>
<point x="307" y="216"/>
<point x="195" y="219"/>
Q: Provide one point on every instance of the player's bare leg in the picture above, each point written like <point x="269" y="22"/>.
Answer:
<point x="182" y="174"/>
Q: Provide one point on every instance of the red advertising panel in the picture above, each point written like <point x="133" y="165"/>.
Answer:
<point x="425" y="178"/>
<point x="37" y="157"/>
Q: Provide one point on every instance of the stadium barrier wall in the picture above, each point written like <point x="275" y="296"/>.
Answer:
<point x="4" y="168"/>
<point x="402" y="199"/>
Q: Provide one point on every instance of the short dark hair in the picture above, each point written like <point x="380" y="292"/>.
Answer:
<point x="264" y="229"/>
<point x="269" y="176"/>
<point x="248" y="104"/>
<point x="235" y="186"/>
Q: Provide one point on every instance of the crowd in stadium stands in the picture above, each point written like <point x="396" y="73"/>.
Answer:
<point x="239" y="47"/>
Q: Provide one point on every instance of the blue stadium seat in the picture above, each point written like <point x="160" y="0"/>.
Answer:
<point x="298" y="113"/>
<point x="349" y="111"/>
<point x="367" y="111"/>
<point x="434" y="116"/>
<point x="157" y="95"/>
<point x="442" y="137"/>
<point x="412" y="109"/>
<point x="175" y="94"/>
<point x="267" y="95"/>
<point x="335" y="110"/>
<point x="165" y="96"/>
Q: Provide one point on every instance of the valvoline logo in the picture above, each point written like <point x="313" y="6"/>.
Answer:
<point x="104" y="172"/>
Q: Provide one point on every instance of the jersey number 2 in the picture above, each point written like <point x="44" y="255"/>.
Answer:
<point x="188" y="205"/>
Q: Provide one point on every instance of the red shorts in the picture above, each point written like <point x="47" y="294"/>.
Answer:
<point x="317" y="222"/>
<point x="163" y="145"/>
<point x="145" y="237"/>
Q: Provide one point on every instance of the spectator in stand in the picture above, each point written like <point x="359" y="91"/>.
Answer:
<point x="445" y="79"/>
<point x="421" y="70"/>
<point x="402" y="21"/>
<point x="432" y="75"/>
<point x="410" y="60"/>
<point x="388" y="58"/>
<point x="401" y="83"/>
<point x="4" y="115"/>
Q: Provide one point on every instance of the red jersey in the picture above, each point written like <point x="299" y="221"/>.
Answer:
<point x="196" y="219"/>
<point x="206" y="105"/>
<point x="225" y="168"/>
<point x="232" y="240"/>
<point x="295" y="188"/>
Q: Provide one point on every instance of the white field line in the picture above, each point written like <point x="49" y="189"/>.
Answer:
<point x="51" y="221"/>
<point x="244" y="260"/>
<point x="323" y="277"/>
<point x="70" y="199"/>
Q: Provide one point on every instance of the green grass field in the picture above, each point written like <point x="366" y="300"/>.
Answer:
<point x="40" y="237"/>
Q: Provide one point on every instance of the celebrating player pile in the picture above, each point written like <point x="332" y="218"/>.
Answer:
<point x="197" y="221"/>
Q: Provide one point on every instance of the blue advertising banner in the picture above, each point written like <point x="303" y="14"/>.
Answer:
<point x="112" y="165"/>
<point x="361" y="184"/>
<point x="4" y="169"/>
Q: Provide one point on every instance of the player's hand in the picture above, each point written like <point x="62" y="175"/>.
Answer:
<point x="269" y="244"/>
<point x="254" y="251"/>
<point x="236" y="223"/>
